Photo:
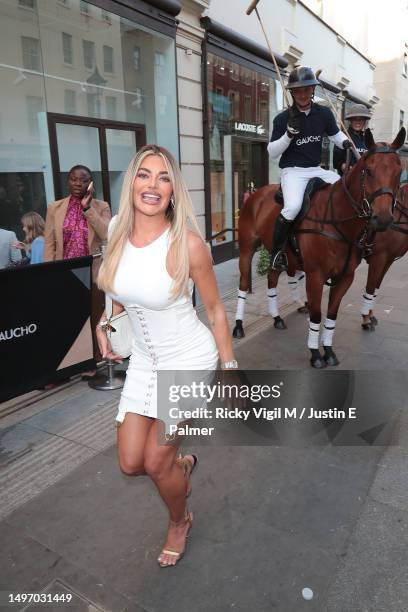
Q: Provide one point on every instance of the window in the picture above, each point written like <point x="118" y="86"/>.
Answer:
<point x="84" y="7"/>
<point x="136" y="58"/>
<point x="67" y="48"/>
<point x="30" y="4"/>
<point x="34" y="106"/>
<point x="233" y="97"/>
<point x="247" y="109"/>
<point x="31" y="53"/>
<point x="159" y="62"/>
<point x="89" y="53"/>
<point x="138" y="101"/>
<point x="405" y="64"/>
<point x="220" y="67"/>
<point x="402" y="117"/>
<point x="70" y="102"/>
<point x="93" y="104"/>
<point x="234" y="72"/>
<point x="107" y="58"/>
<point x="110" y="102"/>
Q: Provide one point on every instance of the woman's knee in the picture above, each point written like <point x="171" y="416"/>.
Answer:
<point x="156" y="467"/>
<point x="130" y="466"/>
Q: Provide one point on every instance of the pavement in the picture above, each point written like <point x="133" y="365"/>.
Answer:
<point x="270" y="520"/>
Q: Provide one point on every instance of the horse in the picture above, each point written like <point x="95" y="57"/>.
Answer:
<point x="331" y="236"/>
<point x="388" y="246"/>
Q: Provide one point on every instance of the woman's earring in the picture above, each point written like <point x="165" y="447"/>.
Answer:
<point x="172" y="202"/>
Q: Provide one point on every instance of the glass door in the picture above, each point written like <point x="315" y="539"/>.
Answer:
<point x="105" y="147"/>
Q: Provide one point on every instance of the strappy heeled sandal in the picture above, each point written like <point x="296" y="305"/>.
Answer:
<point x="188" y="469"/>
<point x="174" y="553"/>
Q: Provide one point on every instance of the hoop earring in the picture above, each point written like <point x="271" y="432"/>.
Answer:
<point x="172" y="204"/>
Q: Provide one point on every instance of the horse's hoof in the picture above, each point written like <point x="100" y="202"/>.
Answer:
<point x="374" y="320"/>
<point x="330" y="357"/>
<point x="316" y="360"/>
<point x="238" y="331"/>
<point x="368" y="326"/>
<point x="318" y="363"/>
<point x="279" y="323"/>
<point x="303" y="309"/>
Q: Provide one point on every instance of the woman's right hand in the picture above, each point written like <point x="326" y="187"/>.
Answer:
<point x="105" y="346"/>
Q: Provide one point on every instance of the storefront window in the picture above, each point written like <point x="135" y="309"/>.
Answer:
<point x="72" y="59"/>
<point x="241" y="106"/>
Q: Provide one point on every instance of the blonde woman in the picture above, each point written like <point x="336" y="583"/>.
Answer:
<point x="151" y="262"/>
<point x="33" y="227"/>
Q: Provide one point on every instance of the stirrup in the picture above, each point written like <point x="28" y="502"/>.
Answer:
<point x="188" y="518"/>
<point x="279" y="261"/>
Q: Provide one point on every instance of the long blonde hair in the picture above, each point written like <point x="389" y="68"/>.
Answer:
<point x="35" y="225"/>
<point x="179" y="215"/>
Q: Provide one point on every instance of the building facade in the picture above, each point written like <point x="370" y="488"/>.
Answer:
<point x="90" y="82"/>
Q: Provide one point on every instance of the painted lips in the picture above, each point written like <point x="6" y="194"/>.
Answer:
<point x="150" y="198"/>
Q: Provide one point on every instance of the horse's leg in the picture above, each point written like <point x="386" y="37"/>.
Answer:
<point x="335" y="296"/>
<point x="314" y="289"/>
<point x="375" y="267"/>
<point x="296" y="287"/>
<point x="273" y="308"/>
<point x="373" y="319"/>
<point x="246" y="254"/>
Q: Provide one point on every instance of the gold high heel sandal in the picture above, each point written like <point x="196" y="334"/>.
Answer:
<point x="174" y="553"/>
<point x="188" y="469"/>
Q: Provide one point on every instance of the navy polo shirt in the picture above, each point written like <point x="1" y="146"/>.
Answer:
<point x="305" y="149"/>
<point x="339" y="155"/>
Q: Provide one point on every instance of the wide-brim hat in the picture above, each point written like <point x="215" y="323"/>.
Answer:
<point x="357" y="110"/>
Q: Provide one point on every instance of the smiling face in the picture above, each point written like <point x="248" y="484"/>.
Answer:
<point x="152" y="188"/>
<point x="358" y="123"/>
<point x="78" y="182"/>
<point x="303" y="96"/>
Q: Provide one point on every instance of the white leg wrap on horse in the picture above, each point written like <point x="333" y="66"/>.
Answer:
<point x="328" y="331"/>
<point x="241" y="305"/>
<point x="314" y="330"/>
<point x="368" y="303"/>
<point x="273" y="303"/>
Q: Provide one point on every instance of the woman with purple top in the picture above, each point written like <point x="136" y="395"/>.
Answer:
<point x="76" y="226"/>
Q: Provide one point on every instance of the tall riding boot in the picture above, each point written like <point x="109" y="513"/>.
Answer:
<point x="279" y="260"/>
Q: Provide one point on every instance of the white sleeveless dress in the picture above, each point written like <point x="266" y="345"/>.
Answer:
<point x="168" y="335"/>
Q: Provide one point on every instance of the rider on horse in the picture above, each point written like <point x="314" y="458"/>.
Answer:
<point x="297" y="138"/>
<point x="357" y="115"/>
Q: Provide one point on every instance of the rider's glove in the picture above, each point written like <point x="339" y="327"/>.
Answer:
<point x="293" y="126"/>
<point x="347" y="144"/>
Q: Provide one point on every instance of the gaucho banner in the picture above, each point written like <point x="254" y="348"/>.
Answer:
<point x="45" y="329"/>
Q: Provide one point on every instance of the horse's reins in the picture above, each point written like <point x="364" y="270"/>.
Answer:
<point x="363" y="210"/>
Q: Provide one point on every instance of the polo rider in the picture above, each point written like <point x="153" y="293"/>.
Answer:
<point x="358" y="116"/>
<point x="297" y="138"/>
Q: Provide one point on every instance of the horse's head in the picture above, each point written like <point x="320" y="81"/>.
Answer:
<point x="380" y="170"/>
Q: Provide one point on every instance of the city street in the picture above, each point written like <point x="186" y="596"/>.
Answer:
<point x="269" y="520"/>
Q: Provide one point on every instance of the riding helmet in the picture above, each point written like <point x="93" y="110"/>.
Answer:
<point x="357" y="110"/>
<point x="302" y="76"/>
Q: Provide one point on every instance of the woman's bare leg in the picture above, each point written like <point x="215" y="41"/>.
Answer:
<point x="132" y="435"/>
<point x="160" y="464"/>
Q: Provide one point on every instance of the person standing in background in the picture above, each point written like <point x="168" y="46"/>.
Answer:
<point x="33" y="227"/>
<point x="76" y="226"/>
<point x="8" y="253"/>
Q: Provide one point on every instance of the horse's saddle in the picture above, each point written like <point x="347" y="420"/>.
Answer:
<point x="314" y="185"/>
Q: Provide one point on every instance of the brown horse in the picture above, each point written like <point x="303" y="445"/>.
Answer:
<point x="388" y="246"/>
<point x="331" y="237"/>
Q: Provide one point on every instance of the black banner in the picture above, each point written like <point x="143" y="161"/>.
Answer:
<point x="45" y="329"/>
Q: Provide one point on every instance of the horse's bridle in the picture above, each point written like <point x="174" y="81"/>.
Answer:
<point x="364" y="209"/>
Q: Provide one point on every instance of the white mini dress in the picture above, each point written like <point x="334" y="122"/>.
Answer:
<point x="168" y="335"/>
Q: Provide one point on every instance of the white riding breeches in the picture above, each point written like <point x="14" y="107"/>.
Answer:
<point x="294" y="181"/>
